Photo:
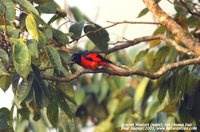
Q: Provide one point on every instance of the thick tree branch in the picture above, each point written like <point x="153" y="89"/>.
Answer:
<point x="166" y="21"/>
<point x="155" y="75"/>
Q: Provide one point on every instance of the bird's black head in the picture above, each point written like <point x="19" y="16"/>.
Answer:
<point x="76" y="58"/>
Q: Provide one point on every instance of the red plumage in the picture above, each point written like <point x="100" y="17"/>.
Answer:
<point x="92" y="61"/>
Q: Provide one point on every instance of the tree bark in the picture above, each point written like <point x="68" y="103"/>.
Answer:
<point x="168" y="22"/>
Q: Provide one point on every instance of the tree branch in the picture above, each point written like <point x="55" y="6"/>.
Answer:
<point x="166" y="21"/>
<point x="129" y="43"/>
<point x="155" y="75"/>
<point x="131" y="22"/>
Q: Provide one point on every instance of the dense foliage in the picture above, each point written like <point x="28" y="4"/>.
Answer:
<point x="31" y="48"/>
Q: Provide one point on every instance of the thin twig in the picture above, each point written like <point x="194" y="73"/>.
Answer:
<point x="5" y="22"/>
<point x="112" y="25"/>
<point x="131" y="22"/>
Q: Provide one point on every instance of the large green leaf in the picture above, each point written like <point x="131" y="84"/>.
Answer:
<point x="10" y="10"/>
<point x="52" y="113"/>
<point x="76" y="29"/>
<point x="33" y="47"/>
<point x="66" y="89"/>
<point x="32" y="27"/>
<point x="64" y="106"/>
<point x="141" y="55"/>
<point x="2" y="69"/>
<point x="41" y="1"/>
<point x="5" y="81"/>
<point x="61" y="37"/>
<point x="113" y="106"/>
<point x="79" y="96"/>
<point x="2" y="8"/>
<point x="98" y="36"/>
<point x="105" y="126"/>
<point x="4" y="119"/>
<point x="27" y="6"/>
<point x="48" y="33"/>
<point x="12" y="31"/>
<point x="4" y="57"/>
<point x="163" y="90"/>
<point x="21" y="58"/>
<point x="50" y="7"/>
<point x="160" y="57"/>
<point x="124" y="104"/>
<point x="23" y="90"/>
<point x="42" y="40"/>
<point x="78" y="15"/>
<point x="40" y="82"/>
<point x="56" y="60"/>
<point x="140" y="91"/>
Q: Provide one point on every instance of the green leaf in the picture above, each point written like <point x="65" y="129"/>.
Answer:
<point x="39" y="94"/>
<point x="64" y="106"/>
<point x="2" y="70"/>
<point x="42" y="40"/>
<point x="79" y="96"/>
<point x="103" y="91"/>
<point x="5" y="82"/>
<point x="27" y="6"/>
<point x="149" y="60"/>
<point x="22" y="58"/>
<point x="33" y="47"/>
<point x="48" y="33"/>
<point x="39" y="80"/>
<point x="125" y="104"/>
<point x="61" y="37"/>
<point x="105" y="126"/>
<point x="67" y="90"/>
<point x="76" y="29"/>
<point x="4" y="57"/>
<point x="163" y="90"/>
<point x="159" y="30"/>
<point x="2" y="7"/>
<point x="143" y="12"/>
<point x="160" y="57"/>
<point x="172" y="105"/>
<point x="41" y="1"/>
<point x="10" y="10"/>
<point x="100" y="38"/>
<point x="52" y="113"/>
<point x="172" y="87"/>
<point x="64" y="56"/>
<point x="139" y="93"/>
<point x="56" y="60"/>
<point x="153" y="108"/>
<point x="141" y="55"/>
<point x="32" y="27"/>
<point x="12" y="31"/>
<point x="192" y="22"/>
<point x="113" y="106"/>
<point x="4" y="119"/>
<point x="23" y="90"/>
<point x="78" y="15"/>
<point x="50" y="7"/>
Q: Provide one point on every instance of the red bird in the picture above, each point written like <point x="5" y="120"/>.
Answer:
<point x="92" y="61"/>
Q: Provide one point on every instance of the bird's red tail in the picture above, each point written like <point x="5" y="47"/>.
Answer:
<point x="108" y="65"/>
